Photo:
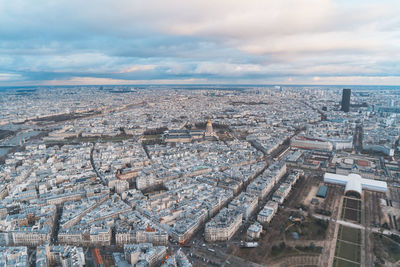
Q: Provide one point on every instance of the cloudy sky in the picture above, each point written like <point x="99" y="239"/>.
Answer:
<point x="57" y="42"/>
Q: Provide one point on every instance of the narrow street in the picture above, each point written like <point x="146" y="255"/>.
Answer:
<point x="103" y="180"/>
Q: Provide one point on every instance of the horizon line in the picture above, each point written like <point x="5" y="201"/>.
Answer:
<point x="197" y="84"/>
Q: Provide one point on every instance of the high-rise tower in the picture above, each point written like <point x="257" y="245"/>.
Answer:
<point x="346" y="100"/>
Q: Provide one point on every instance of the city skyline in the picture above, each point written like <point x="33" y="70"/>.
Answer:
<point x="199" y="42"/>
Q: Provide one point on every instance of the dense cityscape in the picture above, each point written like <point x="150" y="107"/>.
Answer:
<point x="199" y="176"/>
<point x="200" y="133"/>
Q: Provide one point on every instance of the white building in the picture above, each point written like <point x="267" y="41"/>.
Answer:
<point x="309" y="143"/>
<point x="144" y="254"/>
<point x="354" y="183"/>
<point x="14" y="256"/>
<point x="223" y="226"/>
<point x="281" y="193"/>
<point x="245" y="203"/>
<point x="268" y="212"/>
<point x="254" y="231"/>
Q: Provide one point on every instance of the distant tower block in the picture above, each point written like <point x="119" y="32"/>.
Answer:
<point x="346" y="100"/>
<point x="209" y="134"/>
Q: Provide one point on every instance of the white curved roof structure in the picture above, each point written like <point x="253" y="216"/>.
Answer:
<point x="355" y="183"/>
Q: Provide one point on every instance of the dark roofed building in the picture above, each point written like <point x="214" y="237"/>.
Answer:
<point x="322" y="190"/>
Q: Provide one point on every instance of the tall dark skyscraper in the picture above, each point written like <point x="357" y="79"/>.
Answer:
<point x="346" y="100"/>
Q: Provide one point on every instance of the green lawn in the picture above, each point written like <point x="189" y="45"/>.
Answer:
<point x="349" y="234"/>
<point x="386" y="248"/>
<point x="342" y="263"/>
<point x="152" y="136"/>
<point x="90" y="140"/>
<point x="348" y="251"/>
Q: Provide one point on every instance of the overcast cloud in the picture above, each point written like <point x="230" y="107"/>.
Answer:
<point x="199" y="41"/>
